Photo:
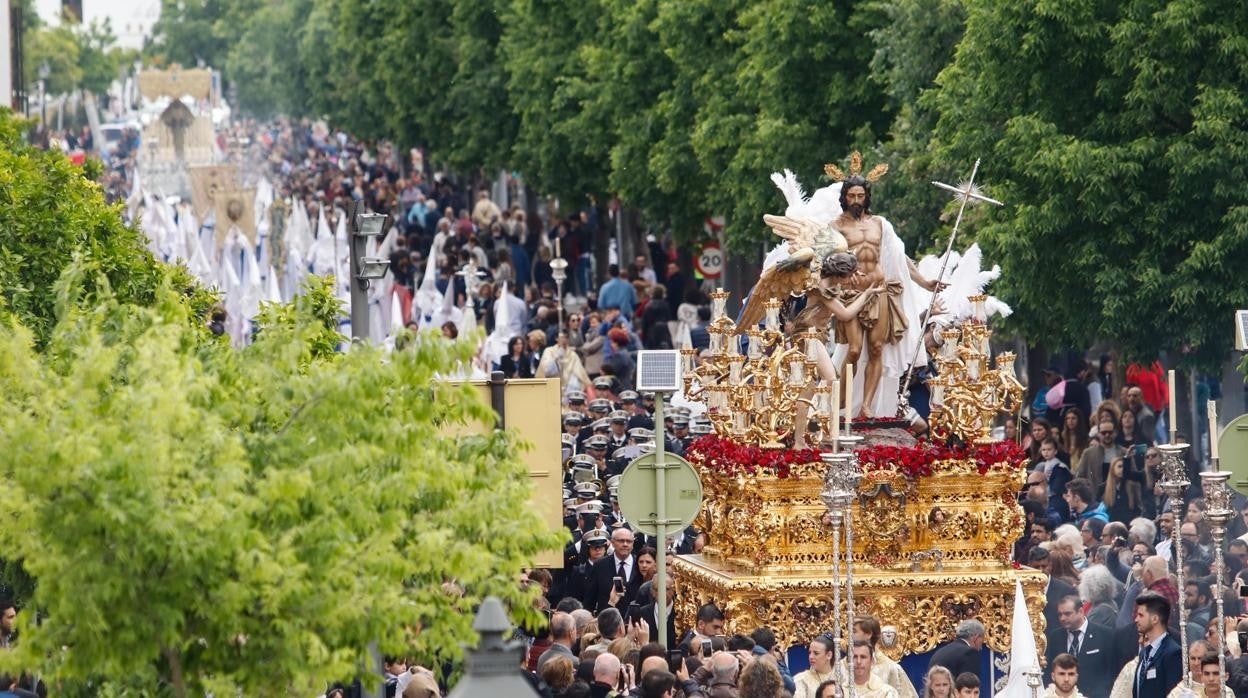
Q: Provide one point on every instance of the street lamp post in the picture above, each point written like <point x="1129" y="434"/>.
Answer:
<point x="492" y="670"/>
<point x="364" y="268"/>
<point x="44" y="72"/>
<point x="559" y="271"/>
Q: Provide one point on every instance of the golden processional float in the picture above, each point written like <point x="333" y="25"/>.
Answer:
<point x="855" y="517"/>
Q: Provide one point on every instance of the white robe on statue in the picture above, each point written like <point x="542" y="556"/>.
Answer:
<point x="824" y="206"/>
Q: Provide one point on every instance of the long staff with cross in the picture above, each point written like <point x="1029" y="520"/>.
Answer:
<point x="967" y="192"/>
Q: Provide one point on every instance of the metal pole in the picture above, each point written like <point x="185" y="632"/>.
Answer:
<point x="359" y="287"/>
<point x="559" y="301"/>
<point x="1175" y="483"/>
<point x="1219" y="514"/>
<point x="660" y="524"/>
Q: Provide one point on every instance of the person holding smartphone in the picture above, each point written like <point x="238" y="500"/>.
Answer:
<point x="615" y="575"/>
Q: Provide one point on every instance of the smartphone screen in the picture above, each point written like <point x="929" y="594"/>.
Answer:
<point x="706" y="648"/>
<point x="619" y="584"/>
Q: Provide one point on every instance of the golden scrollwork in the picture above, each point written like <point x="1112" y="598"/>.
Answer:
<point x="925" y="607"/>
<point x="776" y="525"/>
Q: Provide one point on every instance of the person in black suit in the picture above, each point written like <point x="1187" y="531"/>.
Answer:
<point x="620" y="563"/>
<point x="1091" y="644"/>
<point x="1054" y="591"/>
<point x="650" y="614"/>
<point x="1161" y="660"/>
<point x="961" y="655"/>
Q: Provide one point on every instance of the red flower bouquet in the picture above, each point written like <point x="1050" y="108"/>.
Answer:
<point x="728" y="457"/>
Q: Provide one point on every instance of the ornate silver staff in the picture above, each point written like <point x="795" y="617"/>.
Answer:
<point x="1174" y="483"/>
<point x="840" y="489"/>
<point x="969" y="193"/>
<point x="1218" y="514"/>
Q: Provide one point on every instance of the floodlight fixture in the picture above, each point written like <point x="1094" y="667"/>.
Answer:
<point x="371" y="224"/>
<point x="373" y="267"/>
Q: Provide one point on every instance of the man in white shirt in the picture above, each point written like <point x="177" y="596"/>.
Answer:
<point x="1065" y="678"/>
<point x="866" y="684"/>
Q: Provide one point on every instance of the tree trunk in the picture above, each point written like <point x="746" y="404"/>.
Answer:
<point x="175" y="671"/>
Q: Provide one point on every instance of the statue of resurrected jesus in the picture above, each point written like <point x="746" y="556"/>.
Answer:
<point x="888" y="327"/>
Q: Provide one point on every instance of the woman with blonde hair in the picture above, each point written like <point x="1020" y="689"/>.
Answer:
<point x="938" y="683"/>
<point x="1061" y="567"/>
<point x="557" y="673"/>
<point x="760" y="678"/>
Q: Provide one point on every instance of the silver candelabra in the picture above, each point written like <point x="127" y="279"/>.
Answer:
<point x="1174" y="483"/>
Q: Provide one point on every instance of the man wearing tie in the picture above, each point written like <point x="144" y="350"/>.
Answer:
<point x="1160" y="665"/>
<point x="1090" y="644"/>
<point x="619" y="563"/>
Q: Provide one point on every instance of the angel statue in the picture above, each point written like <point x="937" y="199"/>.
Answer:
<point x="886" y="323"/>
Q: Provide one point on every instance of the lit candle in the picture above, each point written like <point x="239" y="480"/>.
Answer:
<point x="811" y="340"/>
<point x="1213" y="430"/>
<point x="849" y="397"/>
<point x="835" y="411"/>
<point x="734" y="345"/>
<point x="716" y="340"/>
<point x="734" y="370"/>
<point x="1173" y="416"/>
<point x="938" y="392"/>
<point x="773" y="319"/>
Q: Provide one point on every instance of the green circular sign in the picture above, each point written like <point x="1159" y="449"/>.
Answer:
<point x="639" y="493"/>
<point x="1233" y="453"/>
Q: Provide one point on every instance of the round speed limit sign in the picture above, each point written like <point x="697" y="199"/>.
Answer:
<point x="710" y="261"/>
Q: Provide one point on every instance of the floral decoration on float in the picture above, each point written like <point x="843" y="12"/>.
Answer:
<point x="728" y="458"/>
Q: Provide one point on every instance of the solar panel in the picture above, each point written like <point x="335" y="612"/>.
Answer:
<point x="658" y="370"/>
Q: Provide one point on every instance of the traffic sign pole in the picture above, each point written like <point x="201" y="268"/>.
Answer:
<point x="660" y="487"/>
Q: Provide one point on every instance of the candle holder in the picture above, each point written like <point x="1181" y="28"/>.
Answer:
<point x="1174" y="483"/>
<point x="967" y="395"/>
<point x="1033" y="680"/>
<point x="1218" y="513"/>
<point x="772" y="384"/>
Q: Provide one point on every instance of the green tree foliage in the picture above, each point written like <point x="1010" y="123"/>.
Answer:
<point x="98" y="56"/>
<point x="194" y="32"/>
<point x="267" y="63"/>
<point x="77" y="57"/>
<point x="52" y="214"/>
<point x="911" y="47"/>
<point x="248" y="522"/>
<point x="57" y="48"/>
<point x="540" y="47"/>
<point x="1113" y="129"/>
<point x="804" y="83"/>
